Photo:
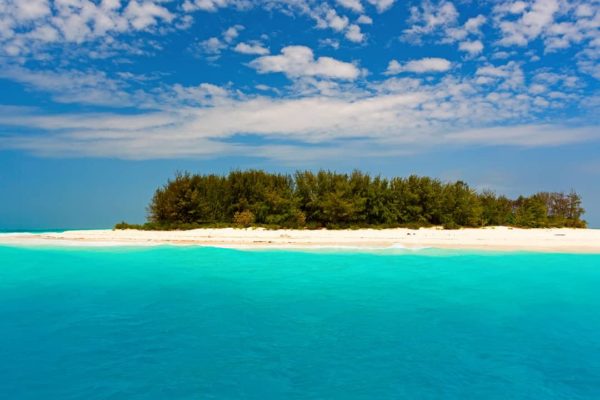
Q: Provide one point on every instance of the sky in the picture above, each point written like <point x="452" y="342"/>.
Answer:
<point x="102" y="101"/>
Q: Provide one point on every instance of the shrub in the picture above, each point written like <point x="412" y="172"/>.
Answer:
<point x="244" y="218"/>
<point x="451" y="225"/>
<point x="298" y="219"/>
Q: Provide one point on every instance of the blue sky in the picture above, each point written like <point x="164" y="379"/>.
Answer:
<point x="102" y="101"/>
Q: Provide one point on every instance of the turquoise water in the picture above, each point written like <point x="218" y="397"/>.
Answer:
<point x="203" y="323"/>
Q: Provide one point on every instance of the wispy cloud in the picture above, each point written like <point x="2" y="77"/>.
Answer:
<point x="395" y="115"/>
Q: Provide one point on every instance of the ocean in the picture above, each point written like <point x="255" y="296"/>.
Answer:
<point x="206" y="323"/>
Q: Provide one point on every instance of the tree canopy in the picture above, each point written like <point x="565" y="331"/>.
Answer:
<point x="334" y="200"/>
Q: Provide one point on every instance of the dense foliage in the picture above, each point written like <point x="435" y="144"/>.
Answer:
<point x="333" y="200"/>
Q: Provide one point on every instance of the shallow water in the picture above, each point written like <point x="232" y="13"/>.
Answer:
<point x="190" y="322"/>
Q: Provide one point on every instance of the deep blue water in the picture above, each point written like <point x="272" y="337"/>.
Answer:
<point x="203" y="323"/>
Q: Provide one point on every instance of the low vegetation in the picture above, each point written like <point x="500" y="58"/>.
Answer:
<point x="332" y="200"/>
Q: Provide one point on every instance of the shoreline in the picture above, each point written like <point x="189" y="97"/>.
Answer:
<point x="554" y="240"/>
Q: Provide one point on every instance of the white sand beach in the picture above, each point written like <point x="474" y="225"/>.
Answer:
<point x="492" y="238"/>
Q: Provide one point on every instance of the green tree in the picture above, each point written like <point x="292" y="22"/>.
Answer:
<point x="335" y="200"/>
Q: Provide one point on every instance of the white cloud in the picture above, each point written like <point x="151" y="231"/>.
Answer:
<point x="472" y="27"/>
<point x="143" y="15"/>
<point x="329" y="18"/>
<point x="382" y="5"/>
<point x="212" y="46"/>
<point x="511" y="7"/>
<point x="500" y="55"/>
<point x="205" y="94"/>
<point x="559" y="24"/>
<point x="26" y="25"/>
<point x="526" y="135"/>
<point x="32" y="9"/>
<point x="552" y="78"/>
<point x="334" y="44"/>
<point x="298" y="61"/>
<point x="215" y="45"/>
<point x="354" y="34"/>
<point x="45" y="33"/>
<point x="537" y="88"/>
<point x="510" y="75"/>
<point x="382" y="125"/>
<point x="354" y="5"/>
<point x="394" y="67"/>
<point x="232" y="33"/>
<point x="213" y="5"/>
<point x="364" y="20"/>
<point x="535" y="17"/>
<point x="424" y="65"/>
<point x="473" y="48"/>
<point x="492" y="107"/>
<point x="251" y="48"/>
<point x="68" y="86"/>
<point x="441" y="20"/>
<point x="429" y="18"/>
<point x="29" y="28"/>
<point x="326" y="101"/>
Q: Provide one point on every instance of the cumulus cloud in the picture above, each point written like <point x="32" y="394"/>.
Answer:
<point x="251" y="48"/>
<point x="382" y="5"/>
<point x="215" y="45"/>
<point x="25" y="24"/>
<point x="143" y="15"/>
<point x="364" y="20"/>
<point x="472" y="27"/>
<point x="424" y="65"/>
<point x="28" y="28"/>
<point x="429" y="17"/>
<point x="212" y="46"/>
<point x="328" y="18"/>
<point x="328" y="42"/>
<point x="473" y="48"/>
<point x="558" y="23"/>
<point x="511" y="75"/>
<point x="354" y="34"/>
<point x="298" y="61"/>
<point x="354" y="5"/>
<point x="232" y="33"/>
<point x="534" y="18"/>
<point x="441" y="21"/>
<point x="32" y="9"/>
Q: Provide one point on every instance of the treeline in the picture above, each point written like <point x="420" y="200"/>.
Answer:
<point x="333" y="200"/>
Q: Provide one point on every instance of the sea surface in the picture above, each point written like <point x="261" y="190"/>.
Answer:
<point x="207" y="323"/>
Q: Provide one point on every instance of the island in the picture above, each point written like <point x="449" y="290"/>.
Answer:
<point x="331" y="200"/>
<point x="259" y="210"/>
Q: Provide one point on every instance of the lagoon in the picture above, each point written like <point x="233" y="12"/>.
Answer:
<point x="200" y="322"/>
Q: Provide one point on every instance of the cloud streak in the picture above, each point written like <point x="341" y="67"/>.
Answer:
<point x="394" y="116"/>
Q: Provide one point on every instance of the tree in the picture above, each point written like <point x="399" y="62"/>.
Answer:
<point x="334" y="200"/>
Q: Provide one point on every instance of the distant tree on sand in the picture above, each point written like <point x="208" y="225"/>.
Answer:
<point x="334" y="200"/>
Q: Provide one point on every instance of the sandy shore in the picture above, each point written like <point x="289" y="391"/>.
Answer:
<point x="494" y="238"/>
